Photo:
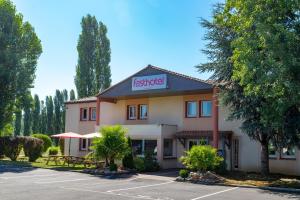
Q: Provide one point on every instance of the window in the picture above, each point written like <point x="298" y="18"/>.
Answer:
<point x="137" y="147"/>
<point x="168" y="147"/>
<point x="83" y="114"/>
<point x="272" y="151"/>
<point x="82" y="144"/>
<point x="143" y="109"/>
<point x="150" y="146"/>
<point x="194" y="142"/>
<point x="191" y="109"/>
<point x="206" y="108"/>
<point x="131" y="112"/>
<point x="288" y="152"/>
<point x="140" y="147"/>
<point x="93" y="114"/>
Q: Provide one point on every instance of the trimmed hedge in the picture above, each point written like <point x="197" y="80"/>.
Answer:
<point x="53" y="151"/>
<point x="12" y="146"/>
<point x="33" y="148"/>
<point x="46" y="139"/>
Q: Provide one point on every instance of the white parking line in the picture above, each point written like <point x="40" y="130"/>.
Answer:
<point x="118" y="182"/>
<point x="144" y="186"/>
<point x="109" y="193"/>
<point x="28" y="176"/>
<point x="208" y="195"/>
<point x="62" y="181"/>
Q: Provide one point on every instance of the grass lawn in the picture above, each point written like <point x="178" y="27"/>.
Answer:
<point x="255" y="179"/>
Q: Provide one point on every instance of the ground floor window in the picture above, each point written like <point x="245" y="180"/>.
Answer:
<point x="140" y="147"/>
<point x="168" y="147"/>
<point x="272" y="151"/>
<point x="288" y="152"/>
<point x="85" y="144"/>
<point x="193" y="142"/>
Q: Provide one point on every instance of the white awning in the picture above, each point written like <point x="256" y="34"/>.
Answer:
<point x="91" y="135"/>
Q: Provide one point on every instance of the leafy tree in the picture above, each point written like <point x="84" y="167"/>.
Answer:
<point x="43" y="125"/>
<point x="28" y="104"/>
<point x="93" y="70"/>
<point x="112" y="145"/>
<point x="238" y="57"/>
<point x="65" y="98"/>
<point x="36" y="115"/>
<point x="18" y="120"/>
<point x="50" y="117"/>
<point x="201" y="158"/>
<point x="72" y="95"/>
<point x="57" y="110"/>
<point x="103" y="73"/>
<point x="19" y="51"/>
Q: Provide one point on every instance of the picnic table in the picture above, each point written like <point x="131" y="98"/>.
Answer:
<point x="74" y="160"/>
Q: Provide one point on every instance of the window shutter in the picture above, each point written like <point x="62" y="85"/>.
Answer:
<point x="80" y="144"/>
<point x="80" y="114"/>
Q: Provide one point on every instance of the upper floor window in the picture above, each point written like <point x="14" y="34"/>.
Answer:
<point x="131" y="112"/>
<point x="83" y="114"/>
<point x="143" y="111"/>
<point x="206" y="108"/>
<point x="191" y="109"/>
<point x="93" y="114"/>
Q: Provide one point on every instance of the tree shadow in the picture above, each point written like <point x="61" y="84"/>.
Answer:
<point x="15" y="167"/>
<point x="282" y="194"/>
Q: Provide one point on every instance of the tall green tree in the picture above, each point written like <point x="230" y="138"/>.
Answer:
<point x="92" y="71"/>
<point x="65" y="98"/>
<point x="50" y="115"/>
<point x="28" y="105"/>
<point x="103" y="72"/>
<point x="36" y="115"/>
<point x="238" y="57"/>
<point x="18" y="118"/>
<point x="72" y="95"/>
<point x="43" y="119"/>
<point x="19" y="51"/>
<point x="58" y="101"/>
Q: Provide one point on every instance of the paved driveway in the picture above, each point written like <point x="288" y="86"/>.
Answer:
<point x="42" y="184"/>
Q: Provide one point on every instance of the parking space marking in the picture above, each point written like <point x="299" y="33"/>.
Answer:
<point x="62" y="181"/>
<point x="215" y="193"/>
<point x="119" y="182"/>
<point x="28" y="176"/>
<point x="108" y="193"/>
<point x="144" y="186"/>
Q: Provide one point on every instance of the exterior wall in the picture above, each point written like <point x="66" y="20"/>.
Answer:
<point x="73" y="124"/>
<point x="249" y="150"/>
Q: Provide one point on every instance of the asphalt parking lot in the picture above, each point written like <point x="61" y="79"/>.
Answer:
<point x="42" y="184"/>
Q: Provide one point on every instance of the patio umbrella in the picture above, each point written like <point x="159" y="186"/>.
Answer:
<point x="68" y="135"/>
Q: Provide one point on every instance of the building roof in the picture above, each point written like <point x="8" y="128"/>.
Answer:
<point x="83" y="100"/>
<point x="177" y="84"/>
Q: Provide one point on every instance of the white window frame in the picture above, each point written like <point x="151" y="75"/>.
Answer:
<point x="93" y="109"/>
<point x="187" y="109"/>
<point x="202" y="104"/>
<point x="140" y="111"/>
<point x="82" y="114"/>
<point x="129" y="112"/>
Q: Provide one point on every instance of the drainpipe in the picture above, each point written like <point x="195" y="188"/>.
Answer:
<point x="98" y="111"/>
<point x="215" y="118"/>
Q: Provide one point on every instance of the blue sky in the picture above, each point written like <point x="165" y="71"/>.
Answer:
<point x="163" y="33"/>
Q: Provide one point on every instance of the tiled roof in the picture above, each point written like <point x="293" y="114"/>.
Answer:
<point x="177" y="84"/>
<point x="83" y="100"/>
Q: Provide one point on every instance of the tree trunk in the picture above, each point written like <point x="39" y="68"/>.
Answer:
<point x="264" y="157"/>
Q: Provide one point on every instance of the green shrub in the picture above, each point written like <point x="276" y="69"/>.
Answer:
<point x="61" y="143"/>
<point x="201" y="158"/>
<point x="128" y="158"/>
<point x="53" y="151"/>
<point x="221" y="169"/>
<point x="184" y="173"/>
<point x="150" y="162"/>
<point x="113" y="167"/>
<point x="1" y="147"/>
<point x="12" y="146"/>
<point x="33" y="148"/>
<point x="139" y="164"/>
<point x="46" y="139"/>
